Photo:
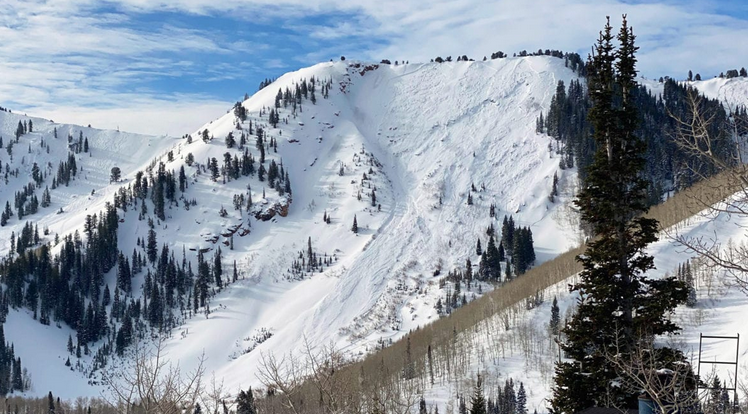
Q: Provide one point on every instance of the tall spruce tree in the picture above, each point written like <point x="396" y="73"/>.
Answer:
<point x="617" y="302"/>
<point x="478" y="402"/>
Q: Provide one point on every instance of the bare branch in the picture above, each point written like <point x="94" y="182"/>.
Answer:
<point x="693" y="135"/>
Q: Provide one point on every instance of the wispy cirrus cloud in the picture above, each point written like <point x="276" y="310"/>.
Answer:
<point x="121" y="60"/>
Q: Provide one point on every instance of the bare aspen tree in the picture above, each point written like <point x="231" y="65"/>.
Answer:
<point x="153" y="384"/>
<point x="696" y="137"/>
<point x="215" y="396"/>
<point x="284" y="376"/>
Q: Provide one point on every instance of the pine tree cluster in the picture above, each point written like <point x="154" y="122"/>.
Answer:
<point x="310" y="261"/>
<point x="519" y="245"/>
<point x="667" y="163"/>
<point x="509" y="399"/>
<point x="13" y="377"/>
<point x="684" y="273"/>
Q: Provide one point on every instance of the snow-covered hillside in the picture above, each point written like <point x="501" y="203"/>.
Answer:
<point x="423" y="138"/>
<point x="423" y="134"/>
<point x="732" y="92"/>
<point x="428" y="132"/>
<point x="91" y="188"/>
<point x="43" y="348"/>
<point x="520" y="346"/>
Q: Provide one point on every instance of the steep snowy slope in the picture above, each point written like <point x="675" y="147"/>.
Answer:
<point x="418" y="136"/>
<point x="90" y="189"/>
<point x="42" y="348"/>
<point x="525" y="351"/>
<point x="731" y="92"/>
<point x="428" y="132"/>
<point x="422" y="134"/>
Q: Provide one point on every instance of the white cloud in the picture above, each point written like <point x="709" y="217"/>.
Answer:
<point x="157" y="117"/>
<point x="674" y="36"/>
<point x="73" y="62"/>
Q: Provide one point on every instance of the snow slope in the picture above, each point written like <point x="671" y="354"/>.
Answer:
<point x="108" y="148"/>
<point x="731" y="92"/>
<point x="435" y="129"/>
<point x="42" y="348"/>
<point x="526" y="352"/>
<point x="422" y="133"/>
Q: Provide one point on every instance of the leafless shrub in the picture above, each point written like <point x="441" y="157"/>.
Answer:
<point x="152" y="384"/>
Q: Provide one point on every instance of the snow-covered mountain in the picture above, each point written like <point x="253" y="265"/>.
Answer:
<point x="424" y="138"/>
<point x="424" y="135"/>
<point x="428" y="132"/>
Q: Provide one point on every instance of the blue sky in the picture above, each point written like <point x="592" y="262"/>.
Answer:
<point x="158" y="66"/>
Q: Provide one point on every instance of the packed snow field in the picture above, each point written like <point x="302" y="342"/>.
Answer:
<point x="422" y="134"/>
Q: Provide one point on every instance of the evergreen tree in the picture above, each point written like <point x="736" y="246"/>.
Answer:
<point x="612" y="281"/>
<point x="507" y="232"/>
<point x="493" y="264"/>
<point x="115" y="174"/>
<point x="182" y="179"/>
<point x="354" y="228"/>
<point x="422" y="406"/>
<point x="478" y="402"/>
<point x="50" y="403"/>
<point x="46" y="198"/>
<point x="555" y="323"/>
<point x="245" y="402"/>
<point x="554" y="188"/>
<point x="509" y="397"/>
<point x="218" y="269"/>
<point x="123" y="273"/>
<point x="287" y="186"/>
<point x="151" y="247"/>
<point x="714" y="403"/>
<point x="521" y="400"/>
<point x="213" y="167"/>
